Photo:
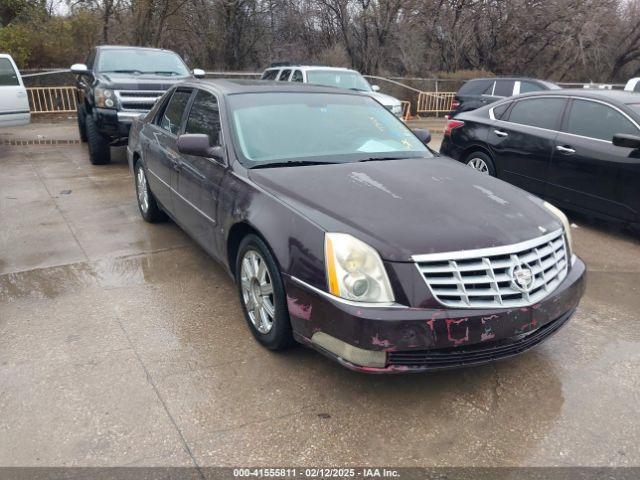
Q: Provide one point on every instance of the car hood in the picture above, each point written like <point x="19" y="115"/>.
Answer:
<point x="121" y="81"/>
<point x="386" y="100"/>
<point x="412" y="206"/>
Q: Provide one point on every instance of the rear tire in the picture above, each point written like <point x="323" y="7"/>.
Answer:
<point x="82" y="126"/>
<point x="99" y="148"/>
<point x="262" y="295"/>
<point x="481" y="162"/>
<point x="147" y="203"/>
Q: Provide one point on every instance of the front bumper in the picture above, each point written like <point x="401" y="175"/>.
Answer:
<point x="419" y="339"/>
<point x="114" y="124"/>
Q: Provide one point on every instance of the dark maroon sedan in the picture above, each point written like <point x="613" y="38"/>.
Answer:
<point x="344" y="232"/>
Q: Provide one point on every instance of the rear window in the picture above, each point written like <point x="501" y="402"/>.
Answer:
<point x="8" y="76"/>
<point x="475" y="87"/>
<point x="270" y="75"/>
<point x="539" y="112"/>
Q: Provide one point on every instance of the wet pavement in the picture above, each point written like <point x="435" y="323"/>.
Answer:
<point x="122" y="343"/>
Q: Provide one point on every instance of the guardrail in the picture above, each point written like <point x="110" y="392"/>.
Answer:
<point x="52" y="99"/>
<point x="434" y="102"/>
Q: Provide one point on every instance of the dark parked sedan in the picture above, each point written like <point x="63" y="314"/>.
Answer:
<point x="580" y="149"/>
<point x="479" y="92"/>
<point x="343" y="231"/>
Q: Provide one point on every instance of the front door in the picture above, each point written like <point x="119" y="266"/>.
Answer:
<point x="14" y="104"/>
<point x="587" y="171"/>
<point x="523" y="142"/>
<point x="161" y="156"/>
<point x="199" y="178"/>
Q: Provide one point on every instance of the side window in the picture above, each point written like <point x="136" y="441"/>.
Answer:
<point x="488" y="90"/>
<point x="500" y="110"/>
<point x="297" y="76"/>
<point x="8" y="76"/>
<point x="270" y="75"/>
<point x="539" y="112"/>
<point x="475" y="87"/>
<point x="596" y="120"/>
<point x="529" y="87"/>
<point x="637" y="87"/>
<point x="504" y="88"/>
<point x="284" y="75"/>
<point x="172" y="115"/>
<point x="204" y="117"/>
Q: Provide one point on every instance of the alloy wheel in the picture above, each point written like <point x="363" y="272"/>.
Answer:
<point x="257" y="291"/>
<point x="143" y="190"/>
<point x="479" y="164"/>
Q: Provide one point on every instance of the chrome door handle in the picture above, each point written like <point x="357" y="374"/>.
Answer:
<point x="565" y="150"/>
<point x="500" y="133"/>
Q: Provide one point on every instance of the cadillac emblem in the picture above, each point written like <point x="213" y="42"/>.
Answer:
<point x="522" y="277"/>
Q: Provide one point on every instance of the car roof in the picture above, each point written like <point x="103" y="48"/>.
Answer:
<point x="234" y="86"/>
<point x="507" y="78"/>
<point x="620" y="96"/>
<point x="309" y="67"/>
<point x="131" y="47"/>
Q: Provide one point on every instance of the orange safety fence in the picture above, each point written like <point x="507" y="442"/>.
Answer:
<point x="52" y="99"/>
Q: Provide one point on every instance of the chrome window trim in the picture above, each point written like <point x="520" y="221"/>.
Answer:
<point x="351" y="303"/>
<point x="485" y="252"/>
<point x="567" y="97"/>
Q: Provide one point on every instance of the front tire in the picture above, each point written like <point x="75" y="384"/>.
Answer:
<point x="99" y="148"/>
<point x="482" y="163"/>
<point x="262" y="294"/>
<point x="147" y="203"/>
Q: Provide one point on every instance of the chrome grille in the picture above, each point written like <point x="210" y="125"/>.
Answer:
<point x="138" y="100"/>
<point x="485" y="278"/>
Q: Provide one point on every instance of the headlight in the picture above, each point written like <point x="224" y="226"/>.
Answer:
<point x="565" y="223"/>
<point x="104" y="98"/>
<point x="355" y="270"/>
<point x="397" y="109"/>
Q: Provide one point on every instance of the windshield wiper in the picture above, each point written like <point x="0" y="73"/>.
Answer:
<point x="137" y="72"/>
<point x="375" y="159"/>
<point x="292" y="163"/>
<point x="164" y="72"/>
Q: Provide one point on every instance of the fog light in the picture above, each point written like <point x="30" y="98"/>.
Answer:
<point x="355" y="355"/>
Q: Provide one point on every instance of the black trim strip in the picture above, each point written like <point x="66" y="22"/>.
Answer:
<point x="15" y="112"/>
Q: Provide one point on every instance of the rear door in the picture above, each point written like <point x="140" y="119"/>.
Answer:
<point x="587" y="171"/>
<point x="14" y="104"/>
<point x="199" y="178"/>
<point x="162" y="159"/>
<point x="523" y="142"/>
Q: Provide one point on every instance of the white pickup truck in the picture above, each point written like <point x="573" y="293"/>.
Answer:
<point x="14" y="104"/>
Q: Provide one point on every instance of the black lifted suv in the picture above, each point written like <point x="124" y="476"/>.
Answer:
<point x="117" y="85"/>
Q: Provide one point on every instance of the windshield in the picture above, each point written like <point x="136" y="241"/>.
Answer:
<point x="139" y="61"/>
<point x="277" y="127"/>
<point x="338" y="78"/>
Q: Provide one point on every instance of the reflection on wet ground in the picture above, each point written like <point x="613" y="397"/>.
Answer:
<point x="122" y="343"/>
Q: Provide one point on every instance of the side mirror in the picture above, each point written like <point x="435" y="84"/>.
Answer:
<point x="375" y="88"/>
<point x="80" y="69"/>
<point x="199" y="145"/>
<point x="198" y="73"/>
<point x="423" y="134"/>
<point x="627" y="141"/>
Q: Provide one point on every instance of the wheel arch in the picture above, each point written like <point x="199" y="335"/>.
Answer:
<point x="237" y="233"/>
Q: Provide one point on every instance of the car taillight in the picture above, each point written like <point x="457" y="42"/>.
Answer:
<point x="451" y="125"/>
<point x="455" y="104"/>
